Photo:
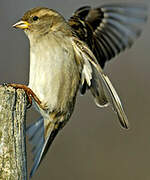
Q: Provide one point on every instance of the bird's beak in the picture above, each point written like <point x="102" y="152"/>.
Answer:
<point x="22" y="25"/>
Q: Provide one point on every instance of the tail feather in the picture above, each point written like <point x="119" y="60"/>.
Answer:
<point x="36" y="164"/>
<point x="35" y="133"/>
<point x="37" y="147"/>
<point x="40" y="144"/>
<point x="42" y="150"/>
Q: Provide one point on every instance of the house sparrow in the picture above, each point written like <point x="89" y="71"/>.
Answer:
<point x="67" y="56"/>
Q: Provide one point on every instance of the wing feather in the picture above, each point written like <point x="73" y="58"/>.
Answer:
<point x="109" y="29"/>
<point x="108" y="94"/>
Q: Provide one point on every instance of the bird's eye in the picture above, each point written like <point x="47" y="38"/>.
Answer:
<point x="35" y="18"/>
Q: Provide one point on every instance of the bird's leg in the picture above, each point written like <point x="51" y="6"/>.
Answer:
<point x="29" y="93"/>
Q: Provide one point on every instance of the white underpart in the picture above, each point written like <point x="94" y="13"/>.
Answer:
<point x="49" y="71"/>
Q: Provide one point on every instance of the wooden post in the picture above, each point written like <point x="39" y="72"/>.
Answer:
<point x="13" y="163"/>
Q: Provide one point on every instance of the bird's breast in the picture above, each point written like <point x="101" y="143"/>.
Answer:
<point x="53" y="73"/>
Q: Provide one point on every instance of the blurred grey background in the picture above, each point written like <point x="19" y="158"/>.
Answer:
<point x="92" y="145"/>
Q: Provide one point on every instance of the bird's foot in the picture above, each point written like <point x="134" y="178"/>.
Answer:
<point x="30" y="94"/>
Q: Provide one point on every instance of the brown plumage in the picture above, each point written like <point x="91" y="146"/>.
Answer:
<point x="66" y="55"/>
<point x="108" y="29"/>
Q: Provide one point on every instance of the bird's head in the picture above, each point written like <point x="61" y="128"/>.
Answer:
<point x="40" y="21"/>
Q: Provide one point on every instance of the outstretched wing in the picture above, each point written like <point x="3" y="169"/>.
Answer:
<point x="109" y="29"/>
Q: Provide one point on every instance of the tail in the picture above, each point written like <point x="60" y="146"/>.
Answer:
<point x="40" y="144"/>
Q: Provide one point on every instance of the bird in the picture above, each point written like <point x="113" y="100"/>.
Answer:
<point x="67" y="56"/>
